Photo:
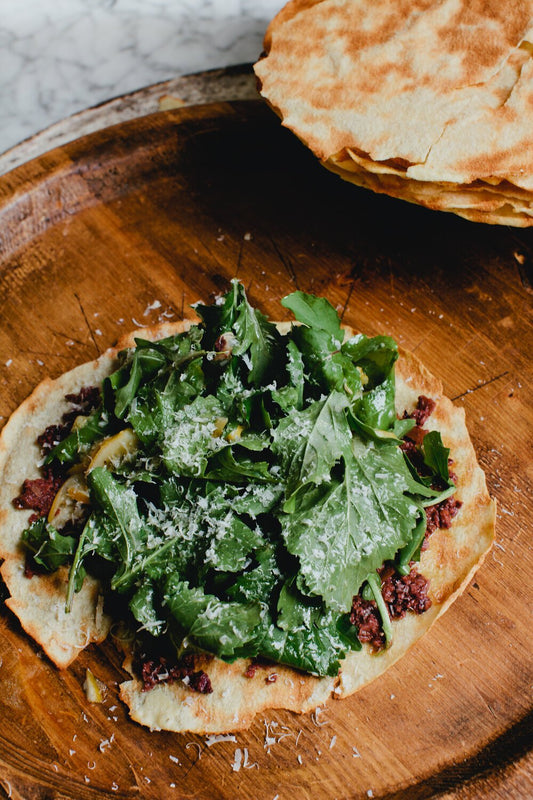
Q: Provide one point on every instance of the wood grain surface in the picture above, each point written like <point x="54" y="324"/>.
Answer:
<point x="131" y="225"/>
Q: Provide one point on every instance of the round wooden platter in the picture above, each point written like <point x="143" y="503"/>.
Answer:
<point x="131" y="225"/>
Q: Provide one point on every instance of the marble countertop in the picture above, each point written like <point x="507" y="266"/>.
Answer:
<point x="59" y="57"/>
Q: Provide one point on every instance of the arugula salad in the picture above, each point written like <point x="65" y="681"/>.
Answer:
<point x="236" y="487"/>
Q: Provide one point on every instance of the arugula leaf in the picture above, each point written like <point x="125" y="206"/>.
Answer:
<point x="436" y="455"/>
<point x="376" y="358"/>
<point x="257" y="583"/>
<point x="119" y="504"/>
<point x="189" y="439"/>
<point x="49" y="548"/>
<point x="152" y="410"/>
<point x="219" y="317"/>
<point x="217" y="497"/>
<point x="343" y="530"/>
<point x="145" y="362"/>
<point x="373" y="582"/>
<point x="376" y="433"/>
<point x="144" y="607"/>
<point x="311" y="441"/>
<point x="305" y="636"/>
<point x="376" y="407"/>
<point x="375" y="355"/>
<point x="77" y="571"/>
<point x="232" y="464"/>
<point x="153" y="562"/>
<point x="327" y="368"/>
<point x="402" y="427"/>
<point x="348" y="632"/>
<point x="236" y="398"/>
<point x="420" y="486"/>
<point x="232" y="544"/>
<point x="292" y="395"/>
<point x="80" y="440"/>
<point x="218" y="627"/>
<point x="98" y="537"/>
<point x="411" y="551"/>
<point x="335" y="364"/>
<point x="257" y="338"/>
<point x="315" y="312"/>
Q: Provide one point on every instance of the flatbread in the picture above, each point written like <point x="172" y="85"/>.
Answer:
<point x="449" y="562"/>
<point x="435" y="98"/>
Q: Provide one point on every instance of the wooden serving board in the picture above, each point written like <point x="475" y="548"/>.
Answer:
<point x="131" y="225"/>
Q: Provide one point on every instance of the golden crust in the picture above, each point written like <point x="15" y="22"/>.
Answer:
<point x="444" y="88"/>
<point x="234" y="702"/>
<point x="449" y="562"/>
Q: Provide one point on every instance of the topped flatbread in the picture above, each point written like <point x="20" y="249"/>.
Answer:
<point x="426" y="101"/>
<point x="273" y="514"/>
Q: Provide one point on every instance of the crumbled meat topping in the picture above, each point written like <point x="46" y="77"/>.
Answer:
<point x="51" y="437"/>
<point x="31" y="567"/>
<point x="424" y="408"/>
<point x="364" y="615"/>
<point x="83" y="402"/>
<point x="402" y="593"/>
<point x="200" y="682"/>
<point x="158" y="670"/>
<point x="413" y="440"/>
<point x="440" y="516"/>
<point x="38" y="493"/>
<point x="256" y="663"/>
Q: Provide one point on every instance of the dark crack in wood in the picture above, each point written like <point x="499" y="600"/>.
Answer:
<point x="481" y="385"/>
<point x="349" y="296"/>
<point x="89" y="328"/>
<point x="286" y="264"/>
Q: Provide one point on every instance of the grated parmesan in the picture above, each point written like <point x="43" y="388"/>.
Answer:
<point x="315" y="717"/>
<point x="241" y="759"/>
<point x="195" y="744"/>
<point x="106" y="743"/>
<point x="220" y="737"/>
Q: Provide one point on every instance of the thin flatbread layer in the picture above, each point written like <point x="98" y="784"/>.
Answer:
<point x="500" y="204"/>
<point x="443" y="89"/>
<point x="39" y="602"/>
<point x="449" y="562"/>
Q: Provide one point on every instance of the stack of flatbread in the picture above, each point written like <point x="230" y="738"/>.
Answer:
<point x="430" y="101"/>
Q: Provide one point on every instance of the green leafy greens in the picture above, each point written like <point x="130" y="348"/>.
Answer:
<point x="266" y="488"/>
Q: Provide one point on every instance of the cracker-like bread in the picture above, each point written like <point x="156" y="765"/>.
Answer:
<point x="426" y="101"/>
<point x="449" y="562"/>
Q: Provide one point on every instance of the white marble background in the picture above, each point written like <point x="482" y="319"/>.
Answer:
<point x="58" y="57"/>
